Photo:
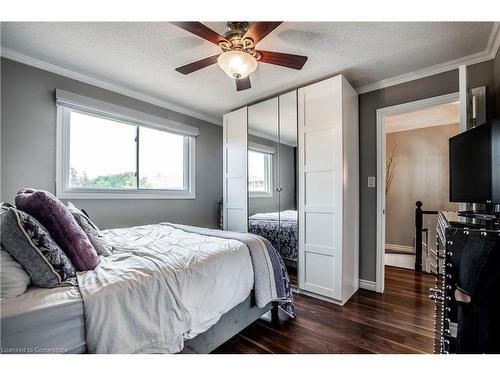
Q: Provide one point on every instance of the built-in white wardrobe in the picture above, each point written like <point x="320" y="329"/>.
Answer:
<point x="327" y="187"/>
<point x="235" y="188"/>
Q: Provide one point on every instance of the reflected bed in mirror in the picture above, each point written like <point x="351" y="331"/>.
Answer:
<point x="280" y="228"/>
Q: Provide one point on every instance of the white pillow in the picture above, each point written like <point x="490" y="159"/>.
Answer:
<point x="13" y="278"/>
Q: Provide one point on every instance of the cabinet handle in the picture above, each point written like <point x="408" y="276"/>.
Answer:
<point x="279" y="189"/>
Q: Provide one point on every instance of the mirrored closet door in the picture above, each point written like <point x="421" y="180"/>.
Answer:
<point x="272" y="175"/>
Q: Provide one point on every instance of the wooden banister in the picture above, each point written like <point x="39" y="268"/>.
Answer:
<point x="419" y="223"/>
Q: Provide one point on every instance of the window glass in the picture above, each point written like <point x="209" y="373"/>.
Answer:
<point x="102" y="153"/>
<point x="161" y="160"/>
<point x="259" y="172"/>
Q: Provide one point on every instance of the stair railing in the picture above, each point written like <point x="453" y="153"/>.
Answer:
<point x="419" y="230"/>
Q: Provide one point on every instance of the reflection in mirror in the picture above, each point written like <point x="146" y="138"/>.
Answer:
<point x="259" y="172"/>
<point x="288" y="177"/>
<point x="272" y="175"/>
<point x="263" y="171"/>
<point x="263" y="157"/>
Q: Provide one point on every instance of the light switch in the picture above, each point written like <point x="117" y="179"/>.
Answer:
<point x="371" y="182"/>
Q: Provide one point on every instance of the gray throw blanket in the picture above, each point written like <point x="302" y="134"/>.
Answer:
<point x="272" y="283"/>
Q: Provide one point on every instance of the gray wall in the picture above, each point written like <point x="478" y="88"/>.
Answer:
<point x="286" y="199"/>
<point x="420" y="174"/>
<point x="439" y="84"/>
<point x="28" y="135"/>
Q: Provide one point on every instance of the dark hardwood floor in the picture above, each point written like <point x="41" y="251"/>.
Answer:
<point x="401" y="320"/>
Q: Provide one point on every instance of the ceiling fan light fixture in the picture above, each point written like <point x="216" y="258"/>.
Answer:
<point x="237" y="64"/>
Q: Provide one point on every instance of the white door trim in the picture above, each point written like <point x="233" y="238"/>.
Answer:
<point x="382" y="113"/>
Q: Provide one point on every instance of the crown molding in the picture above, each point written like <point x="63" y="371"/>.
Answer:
<point x="489" y="53"/>
<point x="107" y="85"/>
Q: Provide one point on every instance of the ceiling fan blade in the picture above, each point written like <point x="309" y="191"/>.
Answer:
<point x="243" y="84"/>
<point x="197" y="28"/>
<point x="283" y="59"/>
<point x="197" y="65"/>
<point x="259" y="30"/>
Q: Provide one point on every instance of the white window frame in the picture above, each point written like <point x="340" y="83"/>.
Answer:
<point x="68" y="102"/>
<point x="269" y="151"/>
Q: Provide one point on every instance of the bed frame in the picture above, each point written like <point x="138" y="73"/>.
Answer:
<point x="229" y="325"/>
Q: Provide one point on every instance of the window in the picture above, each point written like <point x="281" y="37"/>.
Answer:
<point x="96" y="162"/>
<point x="156" y="147"/>
<point x="117" y="154"/>
<point x="260" y="174"/>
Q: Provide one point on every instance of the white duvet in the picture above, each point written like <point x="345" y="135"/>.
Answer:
<point x="161" y="285"/>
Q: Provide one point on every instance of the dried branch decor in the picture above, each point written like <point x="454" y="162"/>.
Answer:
<point x="390" y="168"/>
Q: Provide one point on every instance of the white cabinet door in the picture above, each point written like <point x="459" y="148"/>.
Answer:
<point x="235" y="129"/>
<point x="320" y="188"/>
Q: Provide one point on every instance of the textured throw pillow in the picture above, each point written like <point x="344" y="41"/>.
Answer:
<point x="61" y="224"/>
<point x="101" y="245"/>
<point x="31" y="245"/>
<point x="13" y="278"/>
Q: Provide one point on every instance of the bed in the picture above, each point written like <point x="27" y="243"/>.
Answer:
<point x="167" y="288"/>
<point x="280" y="228"/>
<point x="51" y="321"/>
<point x="43" y="321"/>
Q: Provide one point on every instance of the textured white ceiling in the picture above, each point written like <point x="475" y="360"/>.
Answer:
<point x="438" y="115"/>
<point x="143" y="56"/>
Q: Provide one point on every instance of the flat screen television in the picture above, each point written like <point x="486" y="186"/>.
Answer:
<point x="474" y="158"/>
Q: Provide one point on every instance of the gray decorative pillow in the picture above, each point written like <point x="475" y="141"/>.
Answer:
<point x="31" y="245"/>
<point x="101" y="245"/>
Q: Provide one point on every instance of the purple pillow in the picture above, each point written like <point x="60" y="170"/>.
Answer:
<point x="61" y="224"/>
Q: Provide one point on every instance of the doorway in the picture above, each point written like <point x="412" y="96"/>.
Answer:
<point x="403" y="149"/>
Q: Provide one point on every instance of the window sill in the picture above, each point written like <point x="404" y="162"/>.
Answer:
<point x="126" y="195"/>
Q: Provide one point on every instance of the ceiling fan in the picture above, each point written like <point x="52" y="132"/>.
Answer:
<point x="239" y="57"/>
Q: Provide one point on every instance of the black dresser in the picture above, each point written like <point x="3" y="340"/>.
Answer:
<point x="468" y="252"/>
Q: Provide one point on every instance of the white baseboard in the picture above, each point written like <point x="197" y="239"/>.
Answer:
<point x="400" y="260"/>
<point x="401" y="248"/>
<point x="368" y="285"/>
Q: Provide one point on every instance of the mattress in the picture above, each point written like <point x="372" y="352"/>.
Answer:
<point x="280" y="228"/>
<point x="43" y="321"/>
